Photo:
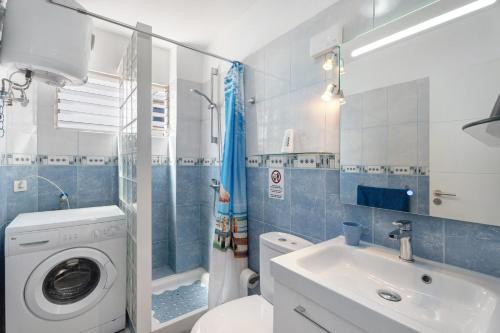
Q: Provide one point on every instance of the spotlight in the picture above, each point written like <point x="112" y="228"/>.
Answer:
<point x="329" y="93"/>
<point x="329" y="62"/>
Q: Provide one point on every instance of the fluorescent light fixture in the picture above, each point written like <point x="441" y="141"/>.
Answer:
<point x="446" y="17"/>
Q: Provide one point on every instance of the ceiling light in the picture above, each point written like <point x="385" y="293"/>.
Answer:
<point x="446" y="17"/>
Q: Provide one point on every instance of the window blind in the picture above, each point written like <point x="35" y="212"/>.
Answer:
<point x="92" y="106"/>
<point x="160" y="111"/>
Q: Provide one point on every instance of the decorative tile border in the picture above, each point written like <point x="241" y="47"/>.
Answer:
<point x="375" y="169"/>
<point x="57" y="160"/>
<point x="197" y="161"/>
<point x="300" y="161"/>
<point x="401" y="170"/>
<point x="19" y="159"/>
<point x="160" y="160"/>
<point x="98" y="160"/>
<point x="351" y="168"/>
<point x="188" y="161"/>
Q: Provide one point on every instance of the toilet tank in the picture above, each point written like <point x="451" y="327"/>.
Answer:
<point x="274" y="244"/>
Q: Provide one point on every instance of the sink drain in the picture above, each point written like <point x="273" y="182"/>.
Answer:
<point x="389" y="295"/>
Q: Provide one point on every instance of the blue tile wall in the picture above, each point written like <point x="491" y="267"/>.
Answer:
<point x="20" y="202"/>
<point x="418" y="184"/>
<point x="86" y="186"/>
<point x="65" y="177"/>
<point x="207" y="216"/>
<point x="313" y="210"/>
<point x="160" y="218"/>
<point x="97" y="186"/>
<point x="308" y="203"/>
<point x="185" y="237"/>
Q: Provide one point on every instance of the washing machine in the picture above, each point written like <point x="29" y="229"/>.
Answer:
<point x="65" y="271"/>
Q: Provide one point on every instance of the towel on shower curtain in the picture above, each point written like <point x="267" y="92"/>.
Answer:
<point x="229" y="256"/>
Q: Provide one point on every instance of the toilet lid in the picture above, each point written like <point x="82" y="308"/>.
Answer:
<point x="252" y="314"/>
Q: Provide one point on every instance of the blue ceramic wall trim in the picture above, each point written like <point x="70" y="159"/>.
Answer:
<point x="312" y="209"/>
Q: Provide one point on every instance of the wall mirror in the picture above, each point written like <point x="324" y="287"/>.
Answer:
<point x="385" y="148"/>
<point x="402" y="146"/>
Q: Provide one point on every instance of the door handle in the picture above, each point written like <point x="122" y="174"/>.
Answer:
<point x="439" y="193"/>
<point x="303" y="312"/>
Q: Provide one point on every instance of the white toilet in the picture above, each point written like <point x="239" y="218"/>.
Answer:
<point x="252" y="314"/>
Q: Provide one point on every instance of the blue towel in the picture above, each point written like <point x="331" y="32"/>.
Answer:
<point x="386" y="198"/>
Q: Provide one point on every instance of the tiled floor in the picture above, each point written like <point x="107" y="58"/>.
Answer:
<point x="162" y="272"/>
<point x="175" y="303"/>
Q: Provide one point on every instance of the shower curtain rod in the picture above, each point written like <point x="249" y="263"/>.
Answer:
<point x="131" y="27"/>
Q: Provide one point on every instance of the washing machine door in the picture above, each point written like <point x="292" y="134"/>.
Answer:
<point x="69" y="283"/>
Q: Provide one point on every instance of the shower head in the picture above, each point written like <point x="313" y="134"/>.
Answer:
<point x="196" y="91"/>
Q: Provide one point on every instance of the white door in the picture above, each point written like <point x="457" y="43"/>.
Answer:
<point x="69" y="283"/>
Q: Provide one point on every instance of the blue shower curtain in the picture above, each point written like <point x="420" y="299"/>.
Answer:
<point x="229" y="256"/>
<point x="231" y="226"/>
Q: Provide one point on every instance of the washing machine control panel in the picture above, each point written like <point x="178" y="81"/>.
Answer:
<point x="64" y="237"/>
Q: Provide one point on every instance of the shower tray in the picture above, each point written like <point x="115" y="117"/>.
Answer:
<point x="178" y="300"/>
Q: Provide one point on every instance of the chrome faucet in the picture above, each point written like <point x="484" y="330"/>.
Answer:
<point x="403" y="234"/>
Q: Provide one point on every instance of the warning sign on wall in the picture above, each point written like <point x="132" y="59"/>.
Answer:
<point x="276" y="184"/>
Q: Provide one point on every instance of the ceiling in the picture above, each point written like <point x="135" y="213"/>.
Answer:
<point x="201" y="22"/>
<point x="190" y="21"/>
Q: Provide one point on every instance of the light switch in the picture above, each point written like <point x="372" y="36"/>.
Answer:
<point x="20" y="185"/>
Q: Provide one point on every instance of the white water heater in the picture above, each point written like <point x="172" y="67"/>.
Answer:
<point x="54" y="43"/>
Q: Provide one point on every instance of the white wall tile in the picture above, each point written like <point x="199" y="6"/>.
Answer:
<point x="188" y="138"/>
<point x="453" y="150"/>
<point x="351" y="152"/>
<point x="402" y="103"/>
<point x="21" y="125"/>
<point x="423" y="144"/>
<point x="255" y="127"/>
<point x="423" y="87"/>
<point x="375" y="108"/>
<point x="351" y="115"/>
<point x="277" y="68"/>
<point x="189" y="104"/>
<point x="403" y="145"/>
<point x="305" y="70"/>
<point x="159" y="146"/>
<point x="96" y="144"/>
<point x="278" y="119"/>
<point x="375" y="145"/>
<point x="332" y="128"/>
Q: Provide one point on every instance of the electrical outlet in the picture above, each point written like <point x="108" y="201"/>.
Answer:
<point x="20" y="185"/>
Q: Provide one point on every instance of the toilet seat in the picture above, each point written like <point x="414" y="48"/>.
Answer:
<point x="251" y="314"/>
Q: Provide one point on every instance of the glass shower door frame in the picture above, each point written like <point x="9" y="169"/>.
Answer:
<point x="134" y="150"/>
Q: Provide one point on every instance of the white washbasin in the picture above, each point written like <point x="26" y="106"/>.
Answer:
<point x="345" y="280"/>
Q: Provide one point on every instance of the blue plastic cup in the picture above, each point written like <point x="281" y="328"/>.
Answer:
<point x="352" y="233"/>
